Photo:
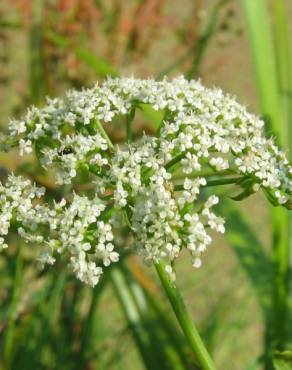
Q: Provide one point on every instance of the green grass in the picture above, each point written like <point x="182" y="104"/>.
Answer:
<point x="272" y="64"/>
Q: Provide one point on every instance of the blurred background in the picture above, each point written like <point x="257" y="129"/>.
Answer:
<point x="240" y="297"/>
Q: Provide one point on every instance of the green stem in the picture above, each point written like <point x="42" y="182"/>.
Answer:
<point x="129" y="120"/>
<point x="174" y="160"/>
<point x="203" y="173"/>
<point x="184" y="319"/>
<point x="203" y="40"/>
<point x="104" y="134"/>
<point x="215" y="182"/>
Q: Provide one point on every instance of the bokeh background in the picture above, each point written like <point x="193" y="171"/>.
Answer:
<point x="48" y="320"/>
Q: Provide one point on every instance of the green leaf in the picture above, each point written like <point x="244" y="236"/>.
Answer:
<point x="282" y="360"/>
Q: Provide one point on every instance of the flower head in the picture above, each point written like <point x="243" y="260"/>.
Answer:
<point x="156" y="184"/>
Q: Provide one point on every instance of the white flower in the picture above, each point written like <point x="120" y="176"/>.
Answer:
<point x="219" y="163"/>
<point x="170" y="272"/>
<point x="107" y="253"/>
<point x="211" y="201"/>
<point x="24" y="147"/>
<point x="3" y="245"/>
<point x="197" y="262"/>
<point x="46" y="257"/>
<point x="190" y="163"/>
<point x="216" y="223"/>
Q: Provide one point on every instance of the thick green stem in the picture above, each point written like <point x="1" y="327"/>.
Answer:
<point x="184" y="319"/>
<point x="175" y="160"/>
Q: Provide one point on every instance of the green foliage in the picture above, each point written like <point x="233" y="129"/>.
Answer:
<point x="282" y="360"/>
<point x="272" y="63"/>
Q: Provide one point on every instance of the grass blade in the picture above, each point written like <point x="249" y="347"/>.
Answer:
<point x="284" y="66"/>
<point x="261" y="41"/>
<point x="9" y="340"/>
<point x="40" y="328"/>
<point x="99" y="65"/>
<point x="272" y="66"/>
<point x="203" y="40"/>
<point x="132" y="315"/>
<point x="37" y="73"/>
<point x="86" y="335"/>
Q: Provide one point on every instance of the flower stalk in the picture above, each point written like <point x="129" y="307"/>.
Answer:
<point x="185" y="321"/>
<point x="214" y="182"/>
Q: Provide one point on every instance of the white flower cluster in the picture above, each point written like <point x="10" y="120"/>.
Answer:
<point x="155" y="183"/>
<point x="73" y="230"/>
<point x="16" y="205"/>
<point x="72" y="152"/>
